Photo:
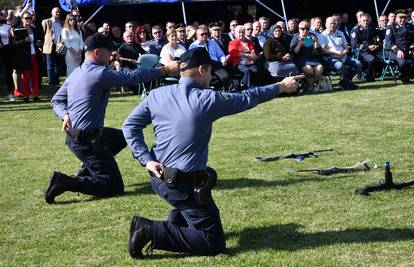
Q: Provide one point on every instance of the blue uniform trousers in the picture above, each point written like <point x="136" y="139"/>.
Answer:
<point x="348" y="69"/>
<point x="190" y="227"/>
<point x="404" y="65"/>
<point x="102" y="176"/>
<point x="370" y="59"/>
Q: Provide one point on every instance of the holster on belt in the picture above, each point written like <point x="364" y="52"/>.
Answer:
<point x="202" y="182"/>
<point x="94" y="136"/>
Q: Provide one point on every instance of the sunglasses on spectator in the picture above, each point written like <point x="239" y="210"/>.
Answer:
<point x="233" y="25"/>
<point x="304" y="29"/>
<point x="248" y="29"/>
<point x="157" y="32"/>
<point x="204" y="33"/>
<point x="27" y="18"/>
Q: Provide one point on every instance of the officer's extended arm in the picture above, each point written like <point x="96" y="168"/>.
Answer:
<point x="226" y="104"/>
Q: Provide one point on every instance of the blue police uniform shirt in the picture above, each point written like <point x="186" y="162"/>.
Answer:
<point x="182" y="117"/>
<point x="399" y="37"/>
<point x="361" y="38"/>
<point x="84" y="94"/>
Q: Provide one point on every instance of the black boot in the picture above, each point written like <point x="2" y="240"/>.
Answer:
<point x="141" y="233"/>
<point x="58" y="184"/>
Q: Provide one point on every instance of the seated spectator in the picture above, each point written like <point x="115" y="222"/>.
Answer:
<point x="169" y="25"/>
<point x="277" y="55"/>
<point x="142" y="38"/>
<point x="130" y="26"/>
<point x="181" y="35"/>
<point x="191" y="34"/>
<point x="248" y="27"/>
<point x="306" y="48"/>
<point x="103" y="32"/>
<point x="366" y="40"/>
<point x="156" y="44"/>
<point x="72" y="38"/>
<point x="129" y="52"/>
<point x="317" y="28"/>
<point x="172" y="50"/>
<point x="336" y="49"/>
<point x="264" y="25"/>
<point x="215" y="29"/>
<point x="292" y="27"/>
<point x="399" y="38"/>
<point x="243" y="55"/>
<point x="219" y="60"/>
<point x="391" y="18"/>
<point x="116" y="36"/>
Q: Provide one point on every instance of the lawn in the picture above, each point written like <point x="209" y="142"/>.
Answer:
<point x="271" y="217"/>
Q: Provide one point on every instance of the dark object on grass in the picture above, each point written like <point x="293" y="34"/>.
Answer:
<point x="387" y="184"/>
<point x="297" y="155"/>
<point x="359" y="166"/>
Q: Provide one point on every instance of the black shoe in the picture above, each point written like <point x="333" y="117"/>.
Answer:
<point x="353" y="86"/>
<point x="140" y="236"/>
<point x="54" y="188"/>
<point x="25" y="100"/>
<point x="58" y="184"/>
<point x="36" y="99"/>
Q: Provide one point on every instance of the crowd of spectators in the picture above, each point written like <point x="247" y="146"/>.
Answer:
<point x="252" y="51"/>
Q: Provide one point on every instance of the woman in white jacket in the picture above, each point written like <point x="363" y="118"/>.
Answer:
<point x="72" y="38"/>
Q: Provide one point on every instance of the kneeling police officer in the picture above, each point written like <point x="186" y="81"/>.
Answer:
<point x="81" y="103"/>
<point x="182" y="117"/>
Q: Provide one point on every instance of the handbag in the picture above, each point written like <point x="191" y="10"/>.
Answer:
<point x="61" y="47"/>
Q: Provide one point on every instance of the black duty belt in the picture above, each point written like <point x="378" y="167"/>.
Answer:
<point x="88" y="134"/>
<point x="172" y="176"/>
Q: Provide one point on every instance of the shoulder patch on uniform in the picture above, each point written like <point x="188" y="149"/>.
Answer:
<point x="353" y="35"/>
<point x="388" y="32"/>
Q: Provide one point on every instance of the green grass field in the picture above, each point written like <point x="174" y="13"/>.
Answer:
<point x="271" y="217"/>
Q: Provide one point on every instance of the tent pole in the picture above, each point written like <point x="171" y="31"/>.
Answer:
<point x="284" y="12"/>
<point x="183" y="8"/>
<point x="376" y="11"/>
<point x="271" y="10"/>
<point x="93" y="15"/>
<point x="385" y="8"/>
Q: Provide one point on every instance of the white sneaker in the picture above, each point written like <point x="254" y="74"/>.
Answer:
<point x="11" y="97"/>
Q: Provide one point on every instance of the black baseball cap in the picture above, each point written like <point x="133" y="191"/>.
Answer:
<point x="97" y="40"/>
<point x="194" y="58"/>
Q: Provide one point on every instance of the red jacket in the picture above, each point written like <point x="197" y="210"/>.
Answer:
<point x="235" y="47"/>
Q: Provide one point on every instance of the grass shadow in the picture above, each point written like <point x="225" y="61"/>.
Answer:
<point x="287" y="237"/>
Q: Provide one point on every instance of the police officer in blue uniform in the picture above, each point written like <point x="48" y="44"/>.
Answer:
<point x="81" y="104"/>
<point x="365" y="39"/>
<point x="182" y="116"/>
<point x="399" y="38"/>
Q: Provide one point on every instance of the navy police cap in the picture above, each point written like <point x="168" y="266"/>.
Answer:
<point x="194" y="58"/>
<point x="97" y="40"/>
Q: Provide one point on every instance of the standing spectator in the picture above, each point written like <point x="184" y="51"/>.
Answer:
<point x="52" y="27"/>
<point x="243" y="55"/>
<point x="25" y="59"/>
<point x="72" y="38"/>
<point x="336" y="49"/>
<point x="6" y="54"/>
<point x="158" y="42"/>
<point x="305" y="48"/>
<point x="277" y="54"/>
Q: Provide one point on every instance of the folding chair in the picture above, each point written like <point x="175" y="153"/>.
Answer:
<point x="144" y="62"/>
<point x="390" y="66"/>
